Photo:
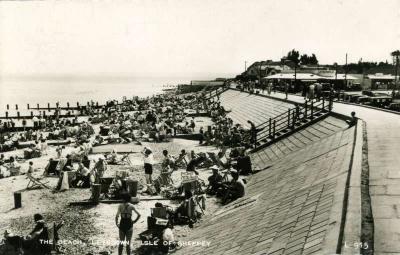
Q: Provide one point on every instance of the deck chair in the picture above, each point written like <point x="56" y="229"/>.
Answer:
<point x="51" y="167"/>
<point x="54" y="235"/>
<point x="105" y="183"/>
<point x="35" y="183"/>
<point x="159" y="212"/>
<point x="163" y="180"/>
<point x="214" y="159"/>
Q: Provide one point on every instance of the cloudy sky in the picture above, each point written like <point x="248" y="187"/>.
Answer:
<point x="188" y="37"/>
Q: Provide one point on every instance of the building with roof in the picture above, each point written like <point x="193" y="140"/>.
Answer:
<point x="380" y="81"/>
<point x="299" y="80"/>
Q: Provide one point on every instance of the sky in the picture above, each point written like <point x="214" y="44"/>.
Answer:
<point x="188" y="37"/>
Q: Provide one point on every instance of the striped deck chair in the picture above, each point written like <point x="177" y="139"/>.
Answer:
<point x="35" y="183"/>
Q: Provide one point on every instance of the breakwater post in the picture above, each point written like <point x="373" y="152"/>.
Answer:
<point x="17" y="200"/>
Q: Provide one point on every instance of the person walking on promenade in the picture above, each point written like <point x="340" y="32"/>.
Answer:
<point x="125" y="225"/>
<point x="269" y="89"/>
<point x="353" y="120"/>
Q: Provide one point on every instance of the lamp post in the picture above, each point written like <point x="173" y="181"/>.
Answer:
<point x="345" y="73"/>
<point x="395" y="55"/>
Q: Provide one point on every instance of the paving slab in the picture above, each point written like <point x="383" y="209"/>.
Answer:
<point x="295" y="209"/>
<point x="383" y="137"/>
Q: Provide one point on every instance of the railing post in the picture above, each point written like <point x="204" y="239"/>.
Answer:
<point x="305" y="110"/>
<point x="293" y="119"/>
<point x="288" y="117"/>
<point x="323" y="104"/>
<point x="312" y="109"/>
<point x="273" y="134"/>
<point x="270" y="127"/>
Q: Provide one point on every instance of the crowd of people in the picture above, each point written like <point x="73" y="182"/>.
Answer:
<point x="153" y="119"/>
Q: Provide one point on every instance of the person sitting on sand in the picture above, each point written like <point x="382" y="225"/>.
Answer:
<point x="37" y="240"/>
<point x="68" y="165"/>
<point x="235" y="189"/>
<point x="13" y="164"/>
<point x="113" y="160"/>
<point x="125" y="225"/>
<point x="190" y="209"/>
<point x="59" y="150"/>
<point x="82" y="178"/>
<point x="168" y="241"/>
<point x="195" y="162"/>
<point x="214" y="181"/>
<point x="181" y="160"/>
<point x="168" y="162"/>
<point x="222" y="160"/>
<point x="244" y="165"/>
<point x="2" y="160"/>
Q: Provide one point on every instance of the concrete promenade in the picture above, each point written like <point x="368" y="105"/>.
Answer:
<point x="383" y="134"/>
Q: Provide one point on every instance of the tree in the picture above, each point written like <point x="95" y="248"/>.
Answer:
<point x="304" y="59"/>
<point x="313" y="60"/>
<point x="293" y="56"/>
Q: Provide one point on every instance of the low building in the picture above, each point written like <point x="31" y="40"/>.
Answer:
<point x="380" y="81"/>
<point x="299" y="80"/>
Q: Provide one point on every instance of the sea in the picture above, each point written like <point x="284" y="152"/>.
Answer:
<point x="44" y="90"/>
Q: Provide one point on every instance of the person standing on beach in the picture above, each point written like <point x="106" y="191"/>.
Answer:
<point x="101" y="167"/>
<point x="148" y="164"/>
<point x="125" y="225"/>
